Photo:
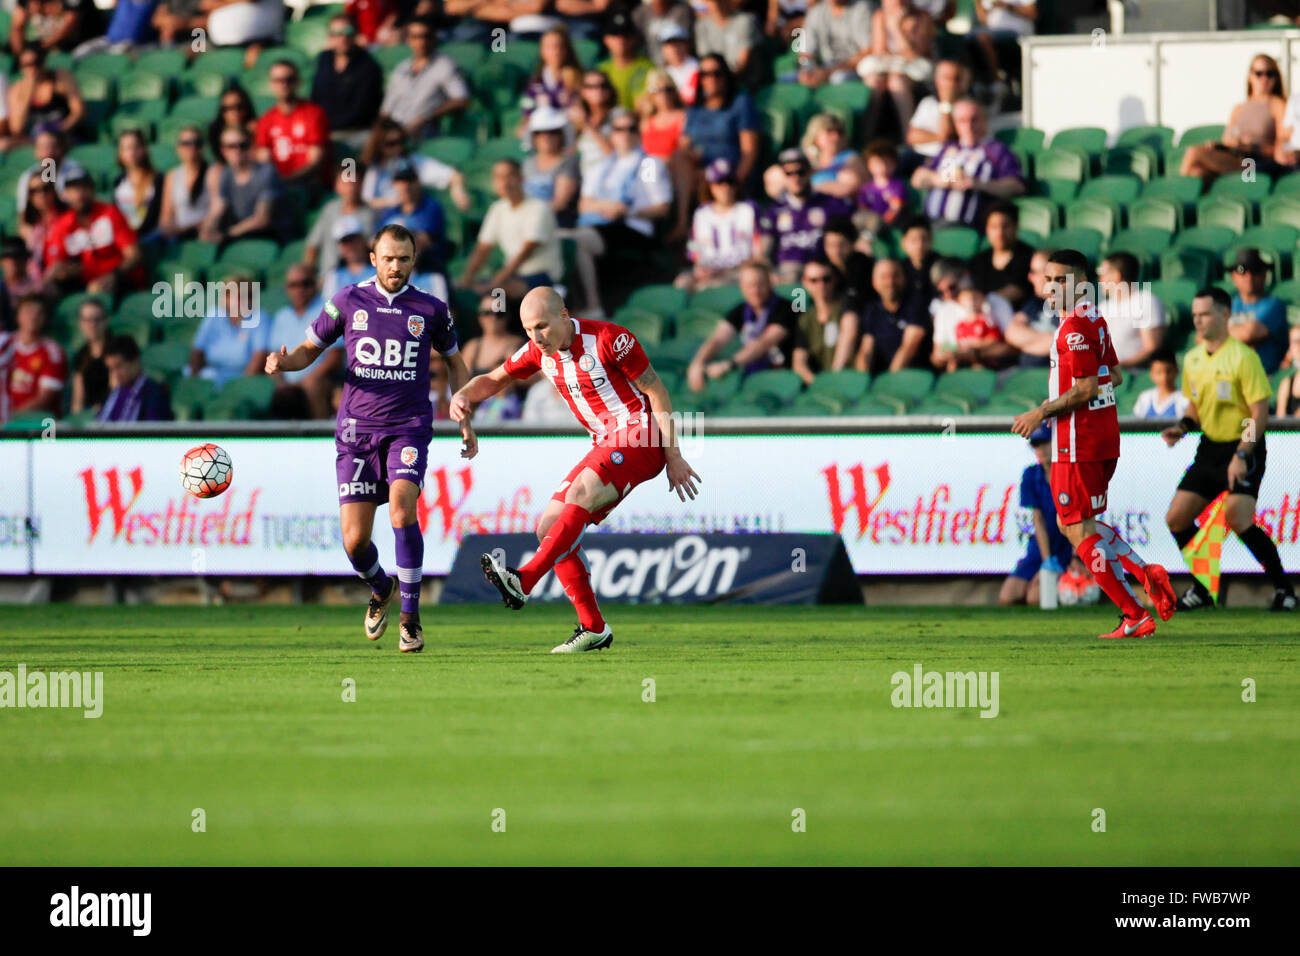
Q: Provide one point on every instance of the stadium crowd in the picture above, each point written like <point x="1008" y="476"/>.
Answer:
<point x="800" y="208"/>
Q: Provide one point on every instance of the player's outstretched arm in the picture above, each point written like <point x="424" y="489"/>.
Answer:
<point x="458" y="374"/>
<point x="681" y="476"/>
<point x="478" y="389"/>
<point x="299" y="358"/>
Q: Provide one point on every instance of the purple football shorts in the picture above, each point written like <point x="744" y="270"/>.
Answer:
<point x="366" y="465"/>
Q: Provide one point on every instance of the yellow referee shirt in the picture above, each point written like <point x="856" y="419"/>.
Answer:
<point x="1223" y="385"/>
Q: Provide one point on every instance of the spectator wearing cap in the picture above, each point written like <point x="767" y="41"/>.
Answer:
<point x="386" y="150"/>
<point x="354" y="256"/>
<point x="1135" y="317"/>
<point x="722" y="124"/>
<point x="792" y="228"/>
<point x="969" y="172"/>
<point x="724" y="232"/>
<point x="422" y="214"/>
<point x="247" y="195"/>
<point x="91" y="245"/>
<point x="893" y="328"/>
<point x="1257" y="318"/>
<point x="663" y="21"/>
<point x="1004" y="266"/>
<point x="765" y="322"/>
<point x="322" y="249"/>
<point x="229" y="340"/>
<point x="524" y="228"/>
<point x="426" y="87"/>
<point x="19" y="274"/>
<point x="854" y="266"/>
<point x="1021" y="585"/>
<point x="626" y="68"/>
<point x="133" y="396"/>
<point x="621" y="201"/>
<point x="663" y="116"/>
<point x="348" y="84"/>
<point x="731" y="33"/>
<point x="836" y="35"/>
<point x="551" y="172"/>
<point x="35" y="367"/>
<point x="826" y="339"/>
<point x="42" y="98"/>
<point x="89" y="373"/>
<point x="557" y="79"/>
<point x="294" y="134"/>
<point x="309" y="388"/>
<point x="680" y="64"/>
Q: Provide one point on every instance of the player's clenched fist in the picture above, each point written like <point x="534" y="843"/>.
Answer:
<point x="273" y="360"/>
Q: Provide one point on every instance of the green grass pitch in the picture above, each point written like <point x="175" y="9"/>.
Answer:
<point x="757" y="711"/>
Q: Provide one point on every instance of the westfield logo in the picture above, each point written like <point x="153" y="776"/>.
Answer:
<point x="112" y="497"/>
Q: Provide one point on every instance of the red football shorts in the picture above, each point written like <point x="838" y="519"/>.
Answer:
<point x="623" y="466"/>
<point x="1079" y="488"/>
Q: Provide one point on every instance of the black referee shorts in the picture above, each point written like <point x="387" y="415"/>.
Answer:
<point x="1207" y="475"/>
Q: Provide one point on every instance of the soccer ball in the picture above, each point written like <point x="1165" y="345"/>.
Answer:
<point x="206" y="471"/>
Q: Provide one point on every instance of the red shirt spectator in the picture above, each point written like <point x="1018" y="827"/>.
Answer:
<point x="370" y="15"/>
<point x="290" y="136"/>
<point x="99" y="240"/>
<point x="33" y="368"/>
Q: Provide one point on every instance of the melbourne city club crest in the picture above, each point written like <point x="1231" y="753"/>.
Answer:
<point x="587" y="362"/>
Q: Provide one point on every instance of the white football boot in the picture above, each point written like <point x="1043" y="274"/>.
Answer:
<point x="377" y="613"/>
<point x="586" y="640"/>
<point x="505" y="580"/>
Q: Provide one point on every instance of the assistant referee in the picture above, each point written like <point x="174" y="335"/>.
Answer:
<point x="1229" y="394"/>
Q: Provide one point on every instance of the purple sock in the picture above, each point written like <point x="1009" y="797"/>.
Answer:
<point x="410" y="565"/>
<point x="367" y="567"/>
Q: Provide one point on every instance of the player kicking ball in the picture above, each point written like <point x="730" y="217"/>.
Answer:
<point x="602" y="373"/>
<point x="385" y="422"/>
<point x="1085" y="444"/>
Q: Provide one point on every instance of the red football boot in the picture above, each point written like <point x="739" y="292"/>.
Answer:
<point x="1143" y="626"/>
<point x="1161" y="592"/>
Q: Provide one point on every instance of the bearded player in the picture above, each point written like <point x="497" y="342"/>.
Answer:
<point x="1085" y="444"/>
<point x="602" y="373"/>
<point x="385" y="421"/>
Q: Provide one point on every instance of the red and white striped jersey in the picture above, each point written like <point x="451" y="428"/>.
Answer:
<point x="596" y="376"/>
<point x="1083" y="348"/>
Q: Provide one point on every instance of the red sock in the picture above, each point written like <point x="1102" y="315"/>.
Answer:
<point x="1105" y="567"/>
<point x="559" y="541"/>
<point x="1132" y="562"/>
<point x="572" y="572"/>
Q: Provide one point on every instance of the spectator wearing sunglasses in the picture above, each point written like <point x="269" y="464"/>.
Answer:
<point x="792" y="228"/>
<point x="348" y="85"/>
<point x="234" y="111"/>
<point x="246" y="195"/>
<point x="425" y="88"/>
<point x="590" y="120"/>
<point x="1253" y="130"/>
<point x="826" y="338"/>
<point x="185" y="198"/>
<point x="387" y="150"/>
<point x="294" y="134"/>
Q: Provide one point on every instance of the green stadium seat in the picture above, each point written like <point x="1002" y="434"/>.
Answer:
<point x="104" y="64"/>
<point x="1087" y="241"/>
<point x="943" y="405"/>
<point x="94" y="86"/>
<point x="1211" y="238"/>
<point x="848" y="386"/>
<point x="226" y="61"/>
<point x="310" y="34"/>
<point x="1280" y="211"/>
<point x="249" y="396"/>
<point x="1279" y="260"/>
<point x="1195" y="135"/>
<point x="1184" y="190"/>
<point x="793" y="97"/>
<point x="674" y="354"/>
<point x="1158" y="138"/>
<point x="1224" y="211"/>
<point x="875" y="408"/>
<point x="665" y="300"/>
<point x="163" y="62"/>
<point x="1022" y="137"/>
<point x="907" y="385"/>
<point x="1120" y="189"/>
<point x="200" y="110"/>
<point x="812" y="406"/>
<point x="468" y="56"/>
<point x="696" y="323"/>
<point x="389" y="56"/>
<point x="143" y="115"/>
<point x="1026" y="383"/>
<point x="164" y="360"/>
<point x="739" y="408"/>
<point x="1175" y="294"/>
<point x="976" y="385"/>
<point x="191" y="398"/>
<point x="1090" y="139"/>
<point x="1059" y="191"/>
<point x="646" y="326"/>
<point x="1253" y="191"/>
<point x="1060" y="164"/>
<point x="455" y="151"/>
<point x="1155" y="213"/>
<point x="1007" y="405"/>
<point x="27" y="418"/>
<point x="1096" y="214"/>
<point x="1037" y="214"/>
<point x="1199" y="265"/>
<point x="1139" y="161"/>
<point x="848" y="101"/>
<point x="1289" y="186"/>
<point x="250" y="254"/>
<point x="720" y="299"/>
<point x="138" y="329"/>
<point x="961" y="242"/>
<point x="773" y="387"/>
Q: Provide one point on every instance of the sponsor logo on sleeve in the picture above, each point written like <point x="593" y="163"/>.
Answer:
<point x="1076" y="342"/>
<point x="331" y="310"/>
<point x="1063" y="498"/>
<point x="623" y="344"/>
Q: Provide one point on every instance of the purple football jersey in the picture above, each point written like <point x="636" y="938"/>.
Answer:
<point x="798" y="227"/>
<point x="386" y="341"/>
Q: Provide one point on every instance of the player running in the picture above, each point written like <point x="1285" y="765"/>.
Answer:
<point x="603" y="374"/>
<point x="1085" y="444"/>
<point x="385" y="420"/>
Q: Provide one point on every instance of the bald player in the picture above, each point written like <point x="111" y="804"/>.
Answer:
<point x="603" y="375"/>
